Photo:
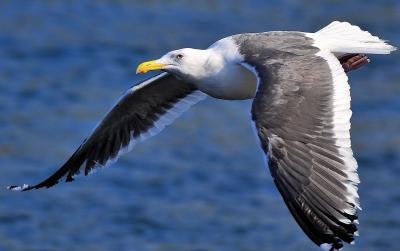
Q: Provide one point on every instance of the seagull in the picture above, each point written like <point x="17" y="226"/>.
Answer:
<point x="301" y="115"/>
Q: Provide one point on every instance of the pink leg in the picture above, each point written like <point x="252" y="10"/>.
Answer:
<point x="353" y="61"/>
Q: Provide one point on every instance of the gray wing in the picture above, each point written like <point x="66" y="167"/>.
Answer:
<point x="142" y="112"/>
<point x="302" y="117"/>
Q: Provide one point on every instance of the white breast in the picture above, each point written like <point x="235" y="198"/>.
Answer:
<point x="232" y="82"/>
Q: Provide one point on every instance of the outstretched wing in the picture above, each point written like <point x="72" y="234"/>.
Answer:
<point x="302" y="116"/>
<point x="141" y="113"/>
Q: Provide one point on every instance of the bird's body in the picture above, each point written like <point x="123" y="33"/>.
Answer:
<point x="301" y="112"/>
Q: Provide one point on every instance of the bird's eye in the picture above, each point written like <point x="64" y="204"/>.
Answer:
<point x="179" y="56"/>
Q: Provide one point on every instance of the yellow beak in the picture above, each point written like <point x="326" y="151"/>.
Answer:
<point x="149" y="66"/>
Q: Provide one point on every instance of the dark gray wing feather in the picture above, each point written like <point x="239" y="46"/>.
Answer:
<point x="142" y="112"/>
<point x="308" y="145"/>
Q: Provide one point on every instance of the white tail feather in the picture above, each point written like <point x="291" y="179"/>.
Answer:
<point x="342" y="38"/>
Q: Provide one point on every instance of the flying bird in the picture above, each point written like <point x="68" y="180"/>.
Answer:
<point x="301" y="113"/>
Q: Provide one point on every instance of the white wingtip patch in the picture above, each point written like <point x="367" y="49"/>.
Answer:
<point x="326" y="246"/>
<point x="18" y="188"/>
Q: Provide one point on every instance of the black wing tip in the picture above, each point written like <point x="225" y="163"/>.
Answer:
<point x="24" y="187"/>
<point x="44" y="184"/>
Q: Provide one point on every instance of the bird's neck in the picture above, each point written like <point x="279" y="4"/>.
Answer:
<point x="225" y="78"/>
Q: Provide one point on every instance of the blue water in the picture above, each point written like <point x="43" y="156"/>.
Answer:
<point x="202" y="183"/>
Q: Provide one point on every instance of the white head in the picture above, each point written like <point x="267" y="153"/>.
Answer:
<point x="188" y="64"/>
<point x="216" y="71"/>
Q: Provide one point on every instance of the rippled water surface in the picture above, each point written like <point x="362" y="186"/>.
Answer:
<point x="202" y="183"/>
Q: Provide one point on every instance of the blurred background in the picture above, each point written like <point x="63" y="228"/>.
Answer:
<point x="200" y="185"/>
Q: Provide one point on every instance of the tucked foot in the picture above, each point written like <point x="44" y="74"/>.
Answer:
<point x="353" y="61"/>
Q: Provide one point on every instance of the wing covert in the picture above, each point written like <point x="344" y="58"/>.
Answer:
<point x="302" y="117"/>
